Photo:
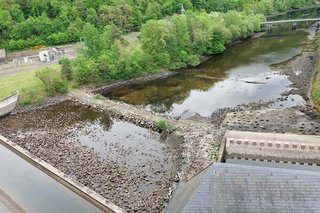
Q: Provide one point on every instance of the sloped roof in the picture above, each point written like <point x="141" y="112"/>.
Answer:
<point x="241" y="188"/>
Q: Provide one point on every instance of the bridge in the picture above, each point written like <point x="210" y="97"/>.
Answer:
<point x="294" y="22"/>
<point x="290" y="21"/>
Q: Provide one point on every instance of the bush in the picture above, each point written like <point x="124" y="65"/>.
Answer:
<point x="23" y="44"/>
<point x="162" y="124"/>
<point x="85" y="70"/>
<point x="52" y="81"/>
<point x="99" y="96"/>
<point x="58" y="38"/>
<point x="66" y="69"/>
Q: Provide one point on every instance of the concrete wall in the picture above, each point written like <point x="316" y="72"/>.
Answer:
<point x="88" y="194"/>
<point x="8" y="104"/>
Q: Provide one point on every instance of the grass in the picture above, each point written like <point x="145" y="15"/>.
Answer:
<point x="31" y="89"/>
<point x="316" y="87"/>
<point x="164" y="126"/>
<point x="99" y="97"/>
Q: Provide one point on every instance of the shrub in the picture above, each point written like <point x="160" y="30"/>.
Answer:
<point x="85" y="70"/>
<point x="52" y="81"/>
<point x="99" y="96"/>
<point x="58" y="38"/>
<point x="162" y="124"/>
<point x="66" y="69"/>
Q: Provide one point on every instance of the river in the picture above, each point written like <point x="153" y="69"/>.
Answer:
<point x="244" y="74"/>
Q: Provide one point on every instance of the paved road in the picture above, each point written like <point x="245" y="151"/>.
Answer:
<point x="11" y="69"/>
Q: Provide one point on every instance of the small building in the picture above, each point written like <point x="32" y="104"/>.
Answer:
<point x="49" y="55"/>
<point x="3" y="56"/>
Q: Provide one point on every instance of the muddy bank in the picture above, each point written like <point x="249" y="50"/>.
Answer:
<point x="134" y="81"/>
<point x="88" y="145"/>
<point x="300" y="72"/>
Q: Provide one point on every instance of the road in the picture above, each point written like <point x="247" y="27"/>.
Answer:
<point x="10" y="69"/>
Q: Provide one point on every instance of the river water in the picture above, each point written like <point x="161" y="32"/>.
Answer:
<point x="242" y="75"/>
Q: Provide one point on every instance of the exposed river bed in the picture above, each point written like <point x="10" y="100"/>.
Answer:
<point x="127" y="164"/>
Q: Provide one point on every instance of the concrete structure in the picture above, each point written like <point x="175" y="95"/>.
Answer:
<point x="8" y="104"/>
<point x="294" y="22"/>
<point x="257" y="172"/>
<point x="3" y="56"/>
<point x="250" y="189"/>
<point x="49" y="55"/>
<point x="291" y="21"/>
<point x="287" y="148"/>
<point x="88" y="194"/>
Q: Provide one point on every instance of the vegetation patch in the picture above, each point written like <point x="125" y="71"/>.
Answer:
<point x="164" y="126"/>
<point x="99" y="97"/>
<point x="53" y="81"/>
<point x="316" y="87"/>
<point x="30" y="87"/>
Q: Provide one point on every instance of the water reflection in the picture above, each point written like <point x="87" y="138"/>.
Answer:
<point x="222" y="81"/>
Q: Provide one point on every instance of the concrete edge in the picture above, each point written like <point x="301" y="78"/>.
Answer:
<point x="11" y="204"/>
<point x="83" y="191"/>
<point x="222" y="147"/>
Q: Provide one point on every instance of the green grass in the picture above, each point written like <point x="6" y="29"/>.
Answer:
<point x="31" y="89"/>
<point x="99" y="97"/>
<point x="316" y="87"/>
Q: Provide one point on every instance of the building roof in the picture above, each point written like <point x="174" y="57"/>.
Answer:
<point x="242" y="188"/>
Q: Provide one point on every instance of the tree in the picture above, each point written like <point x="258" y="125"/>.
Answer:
<point x="66" y="69"/>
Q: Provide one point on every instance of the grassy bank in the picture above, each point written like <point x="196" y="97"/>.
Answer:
<point x="316" y="86"/>
<point x="31" y="89"/>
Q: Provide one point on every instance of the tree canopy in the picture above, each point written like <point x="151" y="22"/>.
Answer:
<point x="27" y="23"/>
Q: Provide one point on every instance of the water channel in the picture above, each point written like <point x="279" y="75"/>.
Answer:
<point x="242" y="75"/>
<point x="35" y="191"/>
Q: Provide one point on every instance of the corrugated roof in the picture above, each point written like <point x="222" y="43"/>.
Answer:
<point x="241" y="188"/>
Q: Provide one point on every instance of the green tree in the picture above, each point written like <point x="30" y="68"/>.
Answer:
<point x="66" y="69"/>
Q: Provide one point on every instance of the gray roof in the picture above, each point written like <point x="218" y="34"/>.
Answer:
<point x="241" y="188"/>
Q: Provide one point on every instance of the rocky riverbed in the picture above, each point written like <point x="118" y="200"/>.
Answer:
<point x="129" y="165"/>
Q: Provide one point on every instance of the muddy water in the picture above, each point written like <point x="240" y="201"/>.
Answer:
<point x="242" y="75"/>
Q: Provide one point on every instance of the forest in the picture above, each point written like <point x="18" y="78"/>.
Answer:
<point x="168" y="40"/>
<point x="28" y="23"/>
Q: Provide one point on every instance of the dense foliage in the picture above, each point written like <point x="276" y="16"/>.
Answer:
<point x="171" y="43"/>
<point x="28" y="23"/>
